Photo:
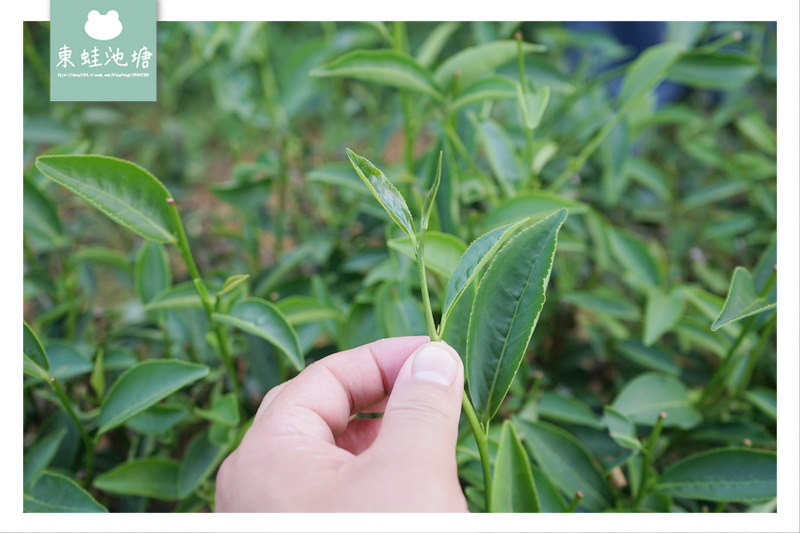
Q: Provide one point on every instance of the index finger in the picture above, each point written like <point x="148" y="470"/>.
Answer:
<point x="319" y="401"/>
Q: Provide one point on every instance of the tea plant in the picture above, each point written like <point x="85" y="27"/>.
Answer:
<point x="638" y="196"/>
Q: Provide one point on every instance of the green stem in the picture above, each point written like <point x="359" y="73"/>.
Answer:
<point x="575" y="502"/>
<point x="482" y="440"/>
<point x="205" y="298"/>
<point x="88" y="443"/>
<point x="647" y="454"/>
<point x="423" y="286"/>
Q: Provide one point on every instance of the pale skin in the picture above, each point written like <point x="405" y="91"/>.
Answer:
<point x="307" y="452"/>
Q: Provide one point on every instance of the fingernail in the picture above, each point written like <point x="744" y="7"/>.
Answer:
<point x="435" y="363"/>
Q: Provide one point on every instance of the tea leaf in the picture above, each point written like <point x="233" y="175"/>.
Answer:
<point x="66" y="361"/>
<point x="664" y="310"/>
<point x="634" y="255"/>
<point x="149" y="477"/>
<point x="430" y="197"/>
<point x="151" y="271"/>
<point x="566" y="462"/>
<point x="651" y="357"/>
<point x="40" y="219"/>
<point x="714" y="70"/>
<point x="621" y="429"/>
<point x="143" y="385"/>
<point x="513" y="490"/>
<point x="489" y="88"/>
<point x="385" y="67"/>
<point x="476" y="256"/>
<point x="533" y="104"/>
<point x="647" y="71"/>
<point x="433" y="44"/>
<point x="530" y="204"/>
<point x="261" y="318"/>
<point x="647" y="395"/>
<point x="471" y="63"/>
<point x="303" y="309"/>
<point x="567" y="409"/>
<point x="34" y="358"/>
<point x="157" y="420"/>
<point x="723" y="475"/>
<point x="385" y="192"/>
<point x="742" y="300"/>
<point x="39" y="455"/>
<point x="225" y="411"/>
<point x="442" y="251"/>
<point x="496" y="341"/>
<point x="56" y="493"/>
<point x="125" y="192"/>
<point x="550" y="499"/>
<point x="765" y="400"/>
<point x="232" y="283"/>
<point x="199" y="462"/>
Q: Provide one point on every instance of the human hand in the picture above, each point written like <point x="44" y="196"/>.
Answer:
<point x="306" y="452"/>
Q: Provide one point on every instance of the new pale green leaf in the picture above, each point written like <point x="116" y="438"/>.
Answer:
<point x="742" y="300"/>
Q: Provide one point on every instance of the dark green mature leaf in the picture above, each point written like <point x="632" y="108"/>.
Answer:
<point x="513" y="489"/>
<point x="56" y="493"/>
<point x="225" y="410"/>
<point x="489" y="88"/>
<point x="304" y="309"/>
<point x="650" y="394"/>
<point x="567" y="463"/>
<point x="647" y="71"/>
<point x="442" y="251"/>
<point x="567" y="409"/>
<point x="621" y="429"/>
<point x="200" y="460"/>
<point x="150" y="477"/>
<point x="182" y="296"/>
<point x="501" y="152"/>
<point x="507" y="305"/>
<point x="157" y="420"/>
<point x="474" y="258"/>
<point x="603" y="301"/>
<point x="66" y="361"/>
<point x="550" y="499"/>
<point x="151" y="271"/>
<point x="385" y="67"/>
<point x="715" y="70"/>
<point x="652" y="357"/>
<point x="143" y="385"/>
<point x="742" y="300"/>
<point x="34" y="358"/>
<point x="724" y="475"/>
<point x="433" y="44"/>
<point x="385" y="192"/>
<point x="124" y="191"/>
<point x="663" y="310"/>
<point x="39" y="455"/>
<point x="530" y="204"/>
<point x="472" y="63"/>
<point x="40" y="219"/>
<point x="263" y="319"/>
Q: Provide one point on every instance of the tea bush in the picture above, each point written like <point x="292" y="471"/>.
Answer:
<point x="633" y="189"/>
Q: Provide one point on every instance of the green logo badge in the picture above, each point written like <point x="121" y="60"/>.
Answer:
<point x="103" y="50"/>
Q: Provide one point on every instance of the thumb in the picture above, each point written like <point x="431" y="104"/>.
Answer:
<point x="420" y="423"/>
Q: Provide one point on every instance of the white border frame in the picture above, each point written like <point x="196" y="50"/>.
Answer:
<point x="786" y="12"/>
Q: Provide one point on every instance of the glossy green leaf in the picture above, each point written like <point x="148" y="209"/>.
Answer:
<point x="497" y="339"/>
<point x="755" y="128"/>
<point x="554" y="406"/>
<point x="225" y="410"/>
<point x="513" y="490"/>
<point x="567" y="463"/>
<point x="651" y="357"/>
<point x="648" y="395"/>
<point x="263" y="319"/>
<point x="232" y="283"/>
<point x="385" y="192"/>
<point x="34" y="358"/>
<point x="56" y="493"/>
<point x="663" y="310"/>
<point x="66" y="361"/>
<point x="157" y="419"/>
<point x="304" y="309"/>
<point x="647" y="71"/>
<point x="533" y="104"/>
<point x="200" y="460"/>
<point x="385" y="67"/>
<point x="471" y="263"/>
<point x="151" y="271"/>
<point x="39" y="454"/>
<point x="149" y="477"/>
<point x="399" y="313"/>
<point x="715" y="70"/>
<point x="39" y="217"/>
<point x="485" y="89"/>
<point x="724" y="475"/>
<point x="603" y="301"/>
<point x="636" y="258"/>
<point x="550" y="499"/>
<point x="531" y="204"/>
<point x="501" y="152"/>
<point x="742" y="300"/>
<point x="442" y="251"/>
<point x="471" y="63"/>
<point x="621" y="429"/>
<point x="183" y="296"/>
<point x="143" y="385"/>
<point x="125" y="192"/>
<point x="765" y="400"/>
